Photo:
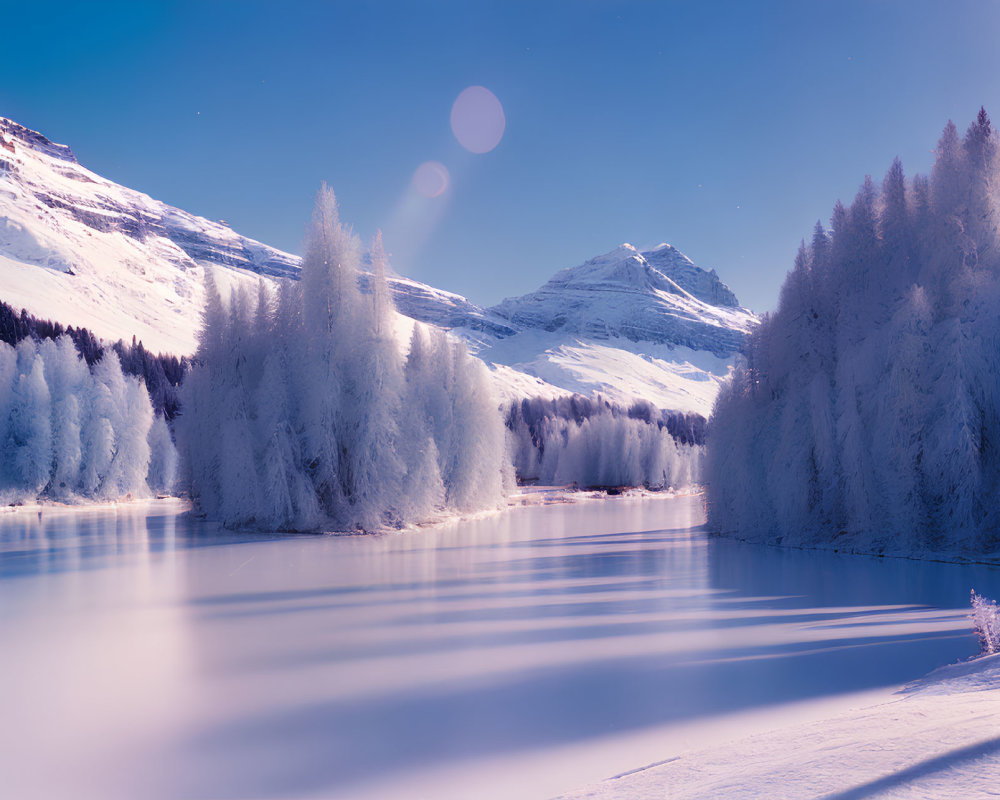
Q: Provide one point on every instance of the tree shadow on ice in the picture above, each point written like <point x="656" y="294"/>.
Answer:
<point x="765" y="637"/>
<point x="840" y="579"/>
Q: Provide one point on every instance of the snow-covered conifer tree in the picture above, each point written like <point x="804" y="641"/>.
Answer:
<point x="162" y="474"/>
<point x="330" y="306"/>
<point x="374" y="410"/>
<point x="67" y="376"/>
<point x="200" y="421"/>
<point x="239" y="491"/>
<point x="27" y="452"/>
<point x="422" y="482"/>
<point x="479" y="469"/>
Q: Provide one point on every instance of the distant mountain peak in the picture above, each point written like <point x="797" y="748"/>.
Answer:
<point x="659" y="296"/>
<point x="13" y="133"/>
<point x="664" y="268"/>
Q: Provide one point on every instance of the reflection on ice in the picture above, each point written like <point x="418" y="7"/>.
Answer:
<point x="162" y="657"/>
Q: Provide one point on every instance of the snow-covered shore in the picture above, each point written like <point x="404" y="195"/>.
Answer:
<point x="46" y="506"/>
<point x="524" y="496"/>
<point x="936" y="738"/>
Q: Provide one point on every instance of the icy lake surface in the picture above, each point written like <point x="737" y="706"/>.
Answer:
<point x="148" y="654"/>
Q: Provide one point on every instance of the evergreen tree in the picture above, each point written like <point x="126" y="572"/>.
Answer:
<point x="28" y="448"/>
<point x="376" y="466"/>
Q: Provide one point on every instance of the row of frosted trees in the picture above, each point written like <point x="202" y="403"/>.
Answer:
<point x="868" y="411"/>
<point x="69" y="432"/>
<point x="162" y="373"/>
<point x="301" y="411"/>
<point x="596" y="444"/>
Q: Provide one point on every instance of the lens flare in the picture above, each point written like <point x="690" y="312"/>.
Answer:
<point x="477" y="119"/>
<point x="431" y="179"/>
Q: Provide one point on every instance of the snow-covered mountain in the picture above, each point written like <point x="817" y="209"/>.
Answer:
<point x="659" y="296"/>
<point x="627" y="324"/>
<point x="83" y="250"/>
<point x="80" y="249"/>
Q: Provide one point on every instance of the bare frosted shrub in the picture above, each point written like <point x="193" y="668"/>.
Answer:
<point x="986" y="623"/>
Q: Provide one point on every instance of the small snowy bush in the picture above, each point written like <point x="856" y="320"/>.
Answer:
<point x="986" y="623"/>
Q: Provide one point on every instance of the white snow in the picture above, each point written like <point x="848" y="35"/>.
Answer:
<point x="60" y="268"/>
<point x="627" y="325"/>
<point x="677" y="378"/>
<point x="937" y="738"/>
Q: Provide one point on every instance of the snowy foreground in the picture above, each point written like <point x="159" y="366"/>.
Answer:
<point x="936" y="738"/>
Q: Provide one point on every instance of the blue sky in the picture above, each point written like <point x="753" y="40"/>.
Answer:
<point x="726" y="129"/>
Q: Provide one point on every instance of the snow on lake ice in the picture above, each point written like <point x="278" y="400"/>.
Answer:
<point x="149" y="654"/>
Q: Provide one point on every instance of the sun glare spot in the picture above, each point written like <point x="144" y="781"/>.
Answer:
<point x="477" y="119"/>
<point x="431" y="179"/>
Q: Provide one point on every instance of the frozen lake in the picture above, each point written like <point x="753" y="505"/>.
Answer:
<point x="147" y="654"/>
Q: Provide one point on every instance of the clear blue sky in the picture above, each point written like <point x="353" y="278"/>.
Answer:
<point x="726" y="129"/>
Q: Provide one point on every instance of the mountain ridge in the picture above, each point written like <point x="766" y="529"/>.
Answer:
<point x="86" y="251"/>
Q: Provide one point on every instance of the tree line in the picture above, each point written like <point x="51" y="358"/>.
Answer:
<point x="867" y="412"/>
<point x="594" y="443"/>
<point x="162" y="373"/>
<point x="70" y="431"/>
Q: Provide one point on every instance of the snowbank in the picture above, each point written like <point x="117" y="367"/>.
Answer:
<point x="936" y="738"/>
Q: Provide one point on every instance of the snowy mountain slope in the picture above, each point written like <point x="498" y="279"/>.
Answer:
<point x="83" y="250"/>
<point x="677" y="378"/>
<point x="629" y="325"/>
<point x="80" y="249"/>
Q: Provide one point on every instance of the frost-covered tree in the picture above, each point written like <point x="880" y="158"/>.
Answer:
<point x="870" y="400"/>
<point x="200" y="464"/>
<point x="123" y="415"/>
<point x="162" y="474"/>
<point x="422" y="483"/>
<point x="302" y="414"/>
<point x="330" y="306"/>
<point x="374" y="410"/>
<point x="66" y="374"/>
<point x="478" y="471"/>
<point x="238" y="488"/>
<point x="69" y="432"/>
<point x="985" y="618"/>
<point x="28" y="447"/>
